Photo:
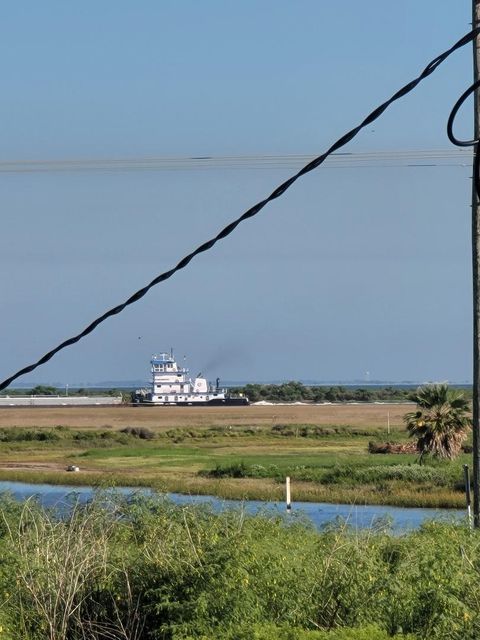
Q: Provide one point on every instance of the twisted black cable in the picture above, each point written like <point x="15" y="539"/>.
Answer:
<point x="253" y="211"/>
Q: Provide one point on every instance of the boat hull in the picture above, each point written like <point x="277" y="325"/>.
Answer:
<point x="215" y="402"/>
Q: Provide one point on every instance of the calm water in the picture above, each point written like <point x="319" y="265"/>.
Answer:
<point x="319" y="513"/>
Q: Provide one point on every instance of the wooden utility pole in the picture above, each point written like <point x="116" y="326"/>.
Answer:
<point x="476" y="282"/>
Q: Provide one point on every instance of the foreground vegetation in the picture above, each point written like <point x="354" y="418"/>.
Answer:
<point x="143" y="568"/>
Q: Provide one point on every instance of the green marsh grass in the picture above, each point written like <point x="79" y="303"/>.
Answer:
<point x="325" y="463"/>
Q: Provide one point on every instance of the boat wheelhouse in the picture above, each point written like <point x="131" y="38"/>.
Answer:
<point x="170" y="385"/>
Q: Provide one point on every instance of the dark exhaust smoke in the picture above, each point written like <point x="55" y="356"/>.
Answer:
<point x="226" y="355"/>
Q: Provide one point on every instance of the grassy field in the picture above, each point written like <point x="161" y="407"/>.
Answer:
<point x="232" y="452"/>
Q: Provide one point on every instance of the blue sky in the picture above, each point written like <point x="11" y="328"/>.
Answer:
<point x="353" y="270"/>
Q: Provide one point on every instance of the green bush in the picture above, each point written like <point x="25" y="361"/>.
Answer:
<point x="139" y="432"/>
<point x="341" y="474"/>
<point x="28" y="435"/>
<point x="242" y="470"/>
<point x="273" y="632"/>
<point x="236" y="470"/>
<point x="317" y="431"/>
<point x="369" y="475"/>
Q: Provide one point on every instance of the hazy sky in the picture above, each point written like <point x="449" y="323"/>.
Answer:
<point x="353" y="270"/>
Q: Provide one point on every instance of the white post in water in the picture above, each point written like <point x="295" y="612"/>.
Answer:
<point x="466" y="475"/>
<point x="287" y="492"/>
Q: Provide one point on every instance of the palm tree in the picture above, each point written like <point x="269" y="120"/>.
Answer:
<point x="441" y="421"/>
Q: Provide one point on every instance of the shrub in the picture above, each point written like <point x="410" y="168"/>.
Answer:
<point x="274" y="632"/>
<point x="139" y="432"/>
<point x="371" y="475"/>
<point x="236" y="470"/>
<point x="392" y="447"/>
<point x="99" y="438"/>
<point x="316" y="431"/>
<point x="242" y="470"/>
<point x="28" y="435"/>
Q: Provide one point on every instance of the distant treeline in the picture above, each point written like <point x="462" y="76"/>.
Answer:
<point x="48" y="390"/>
<point x="287" y="392"/>
<point x="298" y="392"/>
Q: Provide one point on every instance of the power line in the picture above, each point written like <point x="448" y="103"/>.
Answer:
<point x="253" y="211"/>
<point x="357" y="159"/>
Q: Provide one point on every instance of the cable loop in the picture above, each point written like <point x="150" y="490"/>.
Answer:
<point x="279" y="191"/>
<point x="453" y="114"/>
<point x="466" y="143"/>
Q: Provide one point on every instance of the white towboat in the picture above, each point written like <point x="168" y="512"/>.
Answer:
<point x="170" y="385"/>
